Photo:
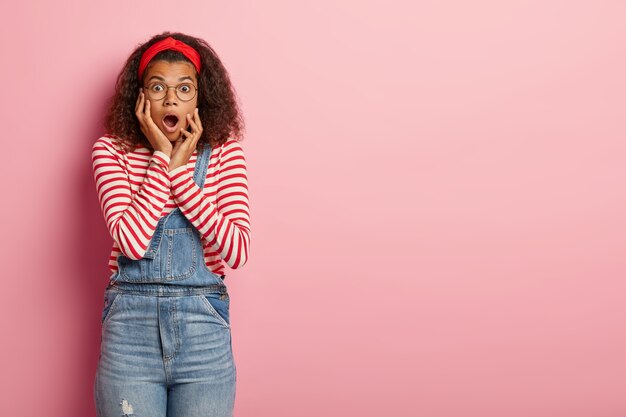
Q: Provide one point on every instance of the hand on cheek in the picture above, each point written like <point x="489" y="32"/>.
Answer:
<point x="186" y="144"/>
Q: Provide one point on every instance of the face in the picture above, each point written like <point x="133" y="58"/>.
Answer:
<point x="171" y="74"/>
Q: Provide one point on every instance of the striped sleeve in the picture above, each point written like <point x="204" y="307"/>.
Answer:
<point x="131" y="220"/>
<point x="227" y="229"/>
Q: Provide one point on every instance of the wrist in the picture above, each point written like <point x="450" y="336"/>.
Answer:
<point x="177" y="168"/>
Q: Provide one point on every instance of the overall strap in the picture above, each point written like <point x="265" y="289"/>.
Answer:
<point x="199" y="177"/>
<point x="202" y="164"/>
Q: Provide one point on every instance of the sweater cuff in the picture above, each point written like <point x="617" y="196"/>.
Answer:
<point x="162" y="158"/>
<point x="177" y="170"/>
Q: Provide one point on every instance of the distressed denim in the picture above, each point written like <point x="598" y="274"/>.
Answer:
<point x="166" y="347"/>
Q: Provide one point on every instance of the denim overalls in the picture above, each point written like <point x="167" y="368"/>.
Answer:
<point x="166" y="339"/>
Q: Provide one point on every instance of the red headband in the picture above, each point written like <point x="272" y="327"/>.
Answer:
<point x="169" y="43"/>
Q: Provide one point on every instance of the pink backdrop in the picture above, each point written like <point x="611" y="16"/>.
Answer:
<point x="437" y="203"/>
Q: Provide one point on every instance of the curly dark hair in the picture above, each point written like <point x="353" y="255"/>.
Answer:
<point x="217" y="100"/>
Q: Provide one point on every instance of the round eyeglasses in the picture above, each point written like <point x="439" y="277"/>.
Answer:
<point x="184" y="91"/>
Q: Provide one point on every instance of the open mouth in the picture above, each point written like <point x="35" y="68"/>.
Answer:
<point x="170" y="122"/>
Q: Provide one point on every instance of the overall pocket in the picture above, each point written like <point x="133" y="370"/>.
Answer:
<point x="218" y="305"/>
<point x="176" y="258"/>
<point x="181" y="247"/>
<point x="110" y="298"/>
<point x="132" y="269"/>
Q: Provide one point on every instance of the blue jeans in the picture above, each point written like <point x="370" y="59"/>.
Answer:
<point x="166" y="351"/>
<point x="166" y="347"/>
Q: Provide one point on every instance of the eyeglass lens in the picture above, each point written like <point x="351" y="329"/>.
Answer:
<point x="184" y="91"/>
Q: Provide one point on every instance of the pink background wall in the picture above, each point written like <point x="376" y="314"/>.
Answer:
<point x="437" y="203"/>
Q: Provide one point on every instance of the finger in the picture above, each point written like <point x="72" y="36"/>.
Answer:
<point x="139" y="114"/>
<point x="139" y="106"/>
<point x="184" y="137"/>
<point x="198" y="121"/>
<point x="137" y="101"/>
<point x="196" y="137"/>
<point x="185" y="133"/>
<point x="198" y="124"/>
<point x="189" y="141"/>
<point x="148" y="109"/>
<point x="190" y="136"/>
<point x="193" y="125"/>
<point x="193" y="140"/>
<point x="195" y="130"/>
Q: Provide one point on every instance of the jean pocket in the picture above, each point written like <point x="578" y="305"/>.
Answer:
<point x="110" y="298"/>
<point x="218" y="305"/>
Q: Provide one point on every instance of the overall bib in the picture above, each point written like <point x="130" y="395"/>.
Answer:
<point x="166" y="347"/>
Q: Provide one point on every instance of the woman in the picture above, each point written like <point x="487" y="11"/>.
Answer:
<point x="172" y="184"/>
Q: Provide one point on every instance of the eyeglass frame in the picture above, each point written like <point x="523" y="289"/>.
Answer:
<point x="168" y="89"/>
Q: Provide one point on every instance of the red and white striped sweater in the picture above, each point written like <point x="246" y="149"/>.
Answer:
<point x="135" y="189"/>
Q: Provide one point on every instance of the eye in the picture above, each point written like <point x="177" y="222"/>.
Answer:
<point x="157" y="87"/>
<point x="184" y="88"/>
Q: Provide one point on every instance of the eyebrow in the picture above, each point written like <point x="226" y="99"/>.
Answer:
<point x="163" y="79"/>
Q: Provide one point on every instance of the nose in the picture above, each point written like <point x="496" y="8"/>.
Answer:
<point x="171" y="97"/>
